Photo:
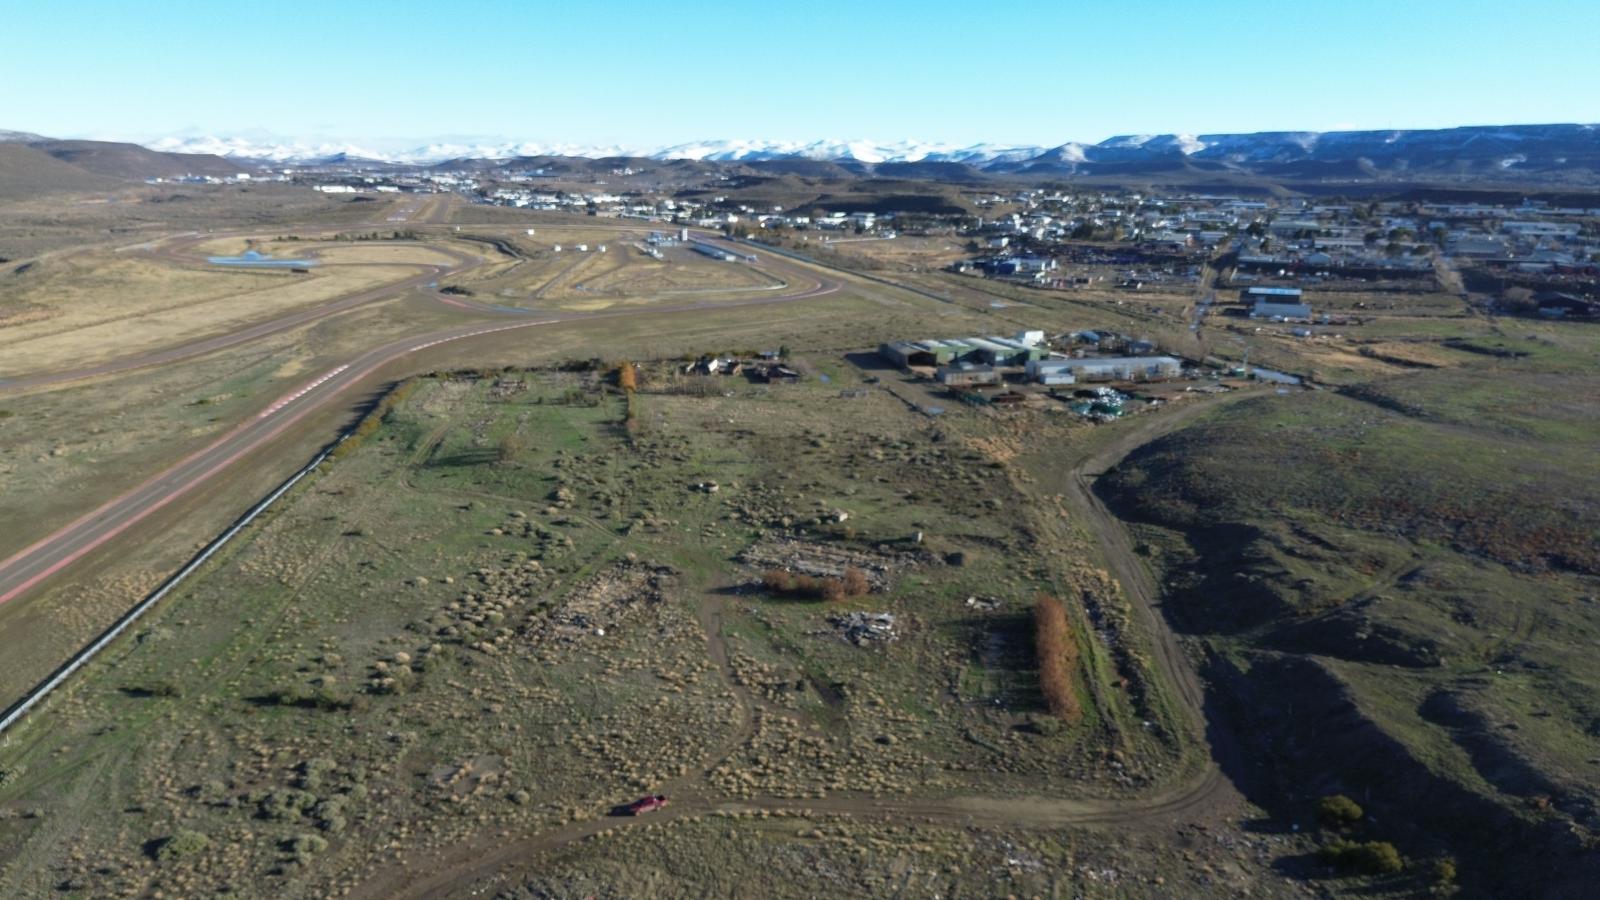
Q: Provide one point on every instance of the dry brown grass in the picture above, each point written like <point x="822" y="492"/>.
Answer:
<point x="124" y="307"/>
<point x="1058" y="656"/>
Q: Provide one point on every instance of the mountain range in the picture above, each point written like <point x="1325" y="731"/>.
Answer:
<point x="1527" y="148"/>
<point x="1568" y="154"/>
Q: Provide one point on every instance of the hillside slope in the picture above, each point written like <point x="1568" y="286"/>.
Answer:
<point x="27" y="171"/>
<point x="1398" y="590"/>
<point x="131" y="161"/>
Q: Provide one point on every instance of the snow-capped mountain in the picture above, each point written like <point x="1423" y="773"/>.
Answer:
<point x="1516" y="148"/>
<point x="293" y="151"/>
<point x="857" y="151"/>
<point x="274" y="151"/>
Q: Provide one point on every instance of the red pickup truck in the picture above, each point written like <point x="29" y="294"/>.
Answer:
<point x="645" y="804"/>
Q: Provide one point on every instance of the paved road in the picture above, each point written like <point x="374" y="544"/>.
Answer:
<point x="31" y="566"/>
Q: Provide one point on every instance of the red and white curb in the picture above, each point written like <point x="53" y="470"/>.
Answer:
<point x="300" y="393"/>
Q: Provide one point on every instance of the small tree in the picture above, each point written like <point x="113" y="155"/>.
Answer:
<point x="627" y="377"/>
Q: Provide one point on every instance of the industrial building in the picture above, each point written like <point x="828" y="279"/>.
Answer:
<point x="1012" y="352"/>
<point x="1281" y="312"/>
<point x="1271" y="294"/>
<point x="967" y="375"/>
<point x="1051" y="371"/>
<point x="1114" y="368"/>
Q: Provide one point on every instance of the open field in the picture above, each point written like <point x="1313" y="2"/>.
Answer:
<point x="86" y="309"/>
<point x="539" y="277"/>
<point x="527" y="595"/>
<point x="200" y="400"/>
<point x="30" y="228"/>
<point x="441" y="638"/>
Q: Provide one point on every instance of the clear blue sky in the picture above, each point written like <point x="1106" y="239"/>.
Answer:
<point x="665" y="72"/>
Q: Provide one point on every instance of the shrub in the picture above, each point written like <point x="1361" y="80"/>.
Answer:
<point x="184" y="843"/>
<point x="1058" y="656"/>
<point x="305" y="846"/>
<point x="1368" y="858"/>
<point x="1338" y="811"/>
<point x="164" y="687"/>
<point x="312" y="771"/>
<point x="627" y="377"/>
<point x="287" y="804"/>
<point x="510" y="445"/>
<point x="832" y="590"/>
<point x="1444" y="871"/>
<point x="855" y="582"/>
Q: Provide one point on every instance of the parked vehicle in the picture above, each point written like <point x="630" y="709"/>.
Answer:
<point x="645" y="804"/>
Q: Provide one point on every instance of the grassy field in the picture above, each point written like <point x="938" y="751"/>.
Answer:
<point x="510" y="610"/>
<point x="30" y="228"/>
<point x="453" y="650"/>
<point x="71" y="316"/>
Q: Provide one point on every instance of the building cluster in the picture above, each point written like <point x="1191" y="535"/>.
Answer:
<point x="1089" y="356"/>
<point x="1533" y="237"/>
<point x="1058" y="238"/>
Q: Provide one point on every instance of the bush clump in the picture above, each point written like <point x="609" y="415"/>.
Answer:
<point x="184" y="843"/>
<point x="850" y="584"/>
<point x="285" y="805"/>
<point x="1367" y="858"/>
<point x="1444" y="872"/>
<point x="1338" y="811"/>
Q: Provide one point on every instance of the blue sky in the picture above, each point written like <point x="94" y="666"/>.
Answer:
<point x="649" y="74"/>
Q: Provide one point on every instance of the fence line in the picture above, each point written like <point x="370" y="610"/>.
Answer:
<point x="82" y="657"/>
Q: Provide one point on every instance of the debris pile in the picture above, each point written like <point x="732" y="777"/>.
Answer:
<point x="598" y="605"/>
<point x="862" y="628"/>
<point x="820" y="560"/>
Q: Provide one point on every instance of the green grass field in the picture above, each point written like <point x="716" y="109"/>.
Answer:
<point x="509" y="610"/>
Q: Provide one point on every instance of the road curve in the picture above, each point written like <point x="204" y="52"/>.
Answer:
<point x="32" y="565"/>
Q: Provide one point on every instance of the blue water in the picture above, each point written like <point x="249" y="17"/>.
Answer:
<point x="1278" y="377"/>
<point x="259" y="260"/>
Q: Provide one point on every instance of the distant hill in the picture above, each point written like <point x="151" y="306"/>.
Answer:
<point x="134" y="162"/>
<point x="27" y="171"/>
